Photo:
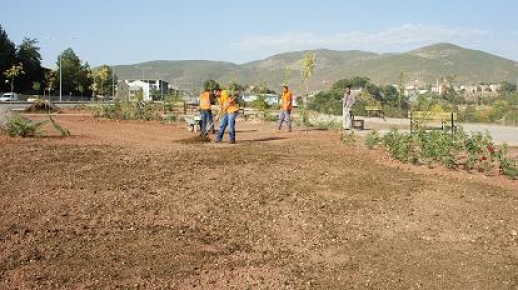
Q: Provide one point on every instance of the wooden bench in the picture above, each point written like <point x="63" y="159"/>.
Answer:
<point x="376" y="109"/>
<point x="419" y="119"/>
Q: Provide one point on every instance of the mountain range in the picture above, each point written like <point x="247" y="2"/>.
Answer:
<point x="425" y="65"/>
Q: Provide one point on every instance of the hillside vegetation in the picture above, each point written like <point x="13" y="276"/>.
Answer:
<point x="426" y="64"/>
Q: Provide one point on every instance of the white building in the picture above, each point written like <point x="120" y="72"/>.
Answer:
<point x="270" y="99"/>
<point x="150" y="89"/>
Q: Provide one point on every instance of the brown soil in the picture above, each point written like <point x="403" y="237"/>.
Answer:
<point x="42" y="107"/>
<point x="129" y="205"/>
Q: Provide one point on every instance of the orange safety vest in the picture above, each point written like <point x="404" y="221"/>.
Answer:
<point x="225" y="100"/>
<point x="287" y="101"/>
<point x="205" y="101"/>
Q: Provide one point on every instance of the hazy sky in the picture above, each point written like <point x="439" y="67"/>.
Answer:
<point x="116" y="32"/>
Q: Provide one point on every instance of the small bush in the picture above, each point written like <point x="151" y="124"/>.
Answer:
<point x="20" y="126"/>
<point x="373" y="139"/>
<point x="170" y="118"/>
<point x="129" y="110"/>
<point x="507" y="166"/>
<point x="348" y="138"/>
<point x="270" y="117"/>
<point x="327" y="125"/>
<point x="460" y="151"/>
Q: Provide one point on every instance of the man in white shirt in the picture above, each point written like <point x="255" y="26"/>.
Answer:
<point x="347" y="103"/>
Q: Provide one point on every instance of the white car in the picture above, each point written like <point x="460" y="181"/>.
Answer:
<point x="9" y="97"/>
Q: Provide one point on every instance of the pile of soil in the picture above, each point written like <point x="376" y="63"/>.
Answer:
<point x="43" y="106"/>
<point x="198" y="139"/>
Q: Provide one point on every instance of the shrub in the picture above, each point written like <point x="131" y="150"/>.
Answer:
<point x="128" y="110"/>
<point x="507" y="166"/>
<point x="327" y="125"/>
<point x="373" y="139"/>
<point x="348" y="138"/>
<point x="20" y="126"/>
<point x="170" y="118"/>
<point x="460" y="151"/>
<point x="397" y="144"/>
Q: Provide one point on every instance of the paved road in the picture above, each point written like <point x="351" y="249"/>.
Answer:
<point x="5" y="106"/>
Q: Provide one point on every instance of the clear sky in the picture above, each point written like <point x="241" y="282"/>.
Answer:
<point x="117" y="32"/>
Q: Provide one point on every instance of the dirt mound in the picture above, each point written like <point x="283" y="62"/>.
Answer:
<point x="43" y="106"/>
<point x="195" y="140"/>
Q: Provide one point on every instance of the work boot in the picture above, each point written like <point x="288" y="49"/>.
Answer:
<point x="232" y="141"/>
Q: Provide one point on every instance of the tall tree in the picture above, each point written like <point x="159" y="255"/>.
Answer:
<point x="85" y="80"/>
<point x="71" y="71"/>
<point x="390" y="95"/>
<point x="28" y="54"/>
<point x="7" y="57"/>
<point x="12" y="75"/>
<point x="104" y="77"/>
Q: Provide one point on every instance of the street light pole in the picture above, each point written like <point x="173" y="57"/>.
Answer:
<point x="113" y="83"/>
<point x="60" y="78"/>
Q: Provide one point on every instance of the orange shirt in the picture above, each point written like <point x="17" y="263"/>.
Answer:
<point x="205" y="101"/>
<point x="225" y="100"/>
<point x="287" y="101"/>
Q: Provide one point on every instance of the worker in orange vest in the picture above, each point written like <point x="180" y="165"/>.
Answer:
<point x="206" y="111"/>
<point x="228" y="109"/>
<point x="286" y="108"/>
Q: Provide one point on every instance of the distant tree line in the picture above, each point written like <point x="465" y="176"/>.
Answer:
<point x="502" y="108"/>
<point x="21" y="71"/>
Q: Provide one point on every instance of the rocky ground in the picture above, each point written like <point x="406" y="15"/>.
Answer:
<point x="135" y="205"/>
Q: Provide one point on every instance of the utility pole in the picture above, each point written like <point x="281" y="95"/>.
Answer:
<point x="113" y="83"/>
<point x="60" y="78"/>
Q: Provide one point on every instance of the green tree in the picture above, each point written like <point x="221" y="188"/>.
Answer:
<point x="210" y="85"/>
<point x="507" y="88"/>
<point x="469" y="115"/>
<point x="71" y="71"/>
<point x="103" y="76"/>
<point x="390" y="95"/>
<point x="85" y="80"/>
<point x="36" y="87"/>
<point x="7" y="57"/>
<point x="500" y="108"/>
<point x="28" y="54"/>
<point x="81" y="89"/>
<point x="12" y="73"/>
<point x="401" y="90"/>
<point x="359" y="82"/>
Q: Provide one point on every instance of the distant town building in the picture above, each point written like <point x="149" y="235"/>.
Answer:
<point x="151" y="89"/>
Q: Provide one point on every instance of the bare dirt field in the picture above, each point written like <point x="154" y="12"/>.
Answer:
<point x="132" y="205"/>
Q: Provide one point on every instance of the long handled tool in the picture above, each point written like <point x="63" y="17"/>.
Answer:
<point x="214" y="120"/>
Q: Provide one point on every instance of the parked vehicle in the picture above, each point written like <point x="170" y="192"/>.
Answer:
<point x="9" y="97"/>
